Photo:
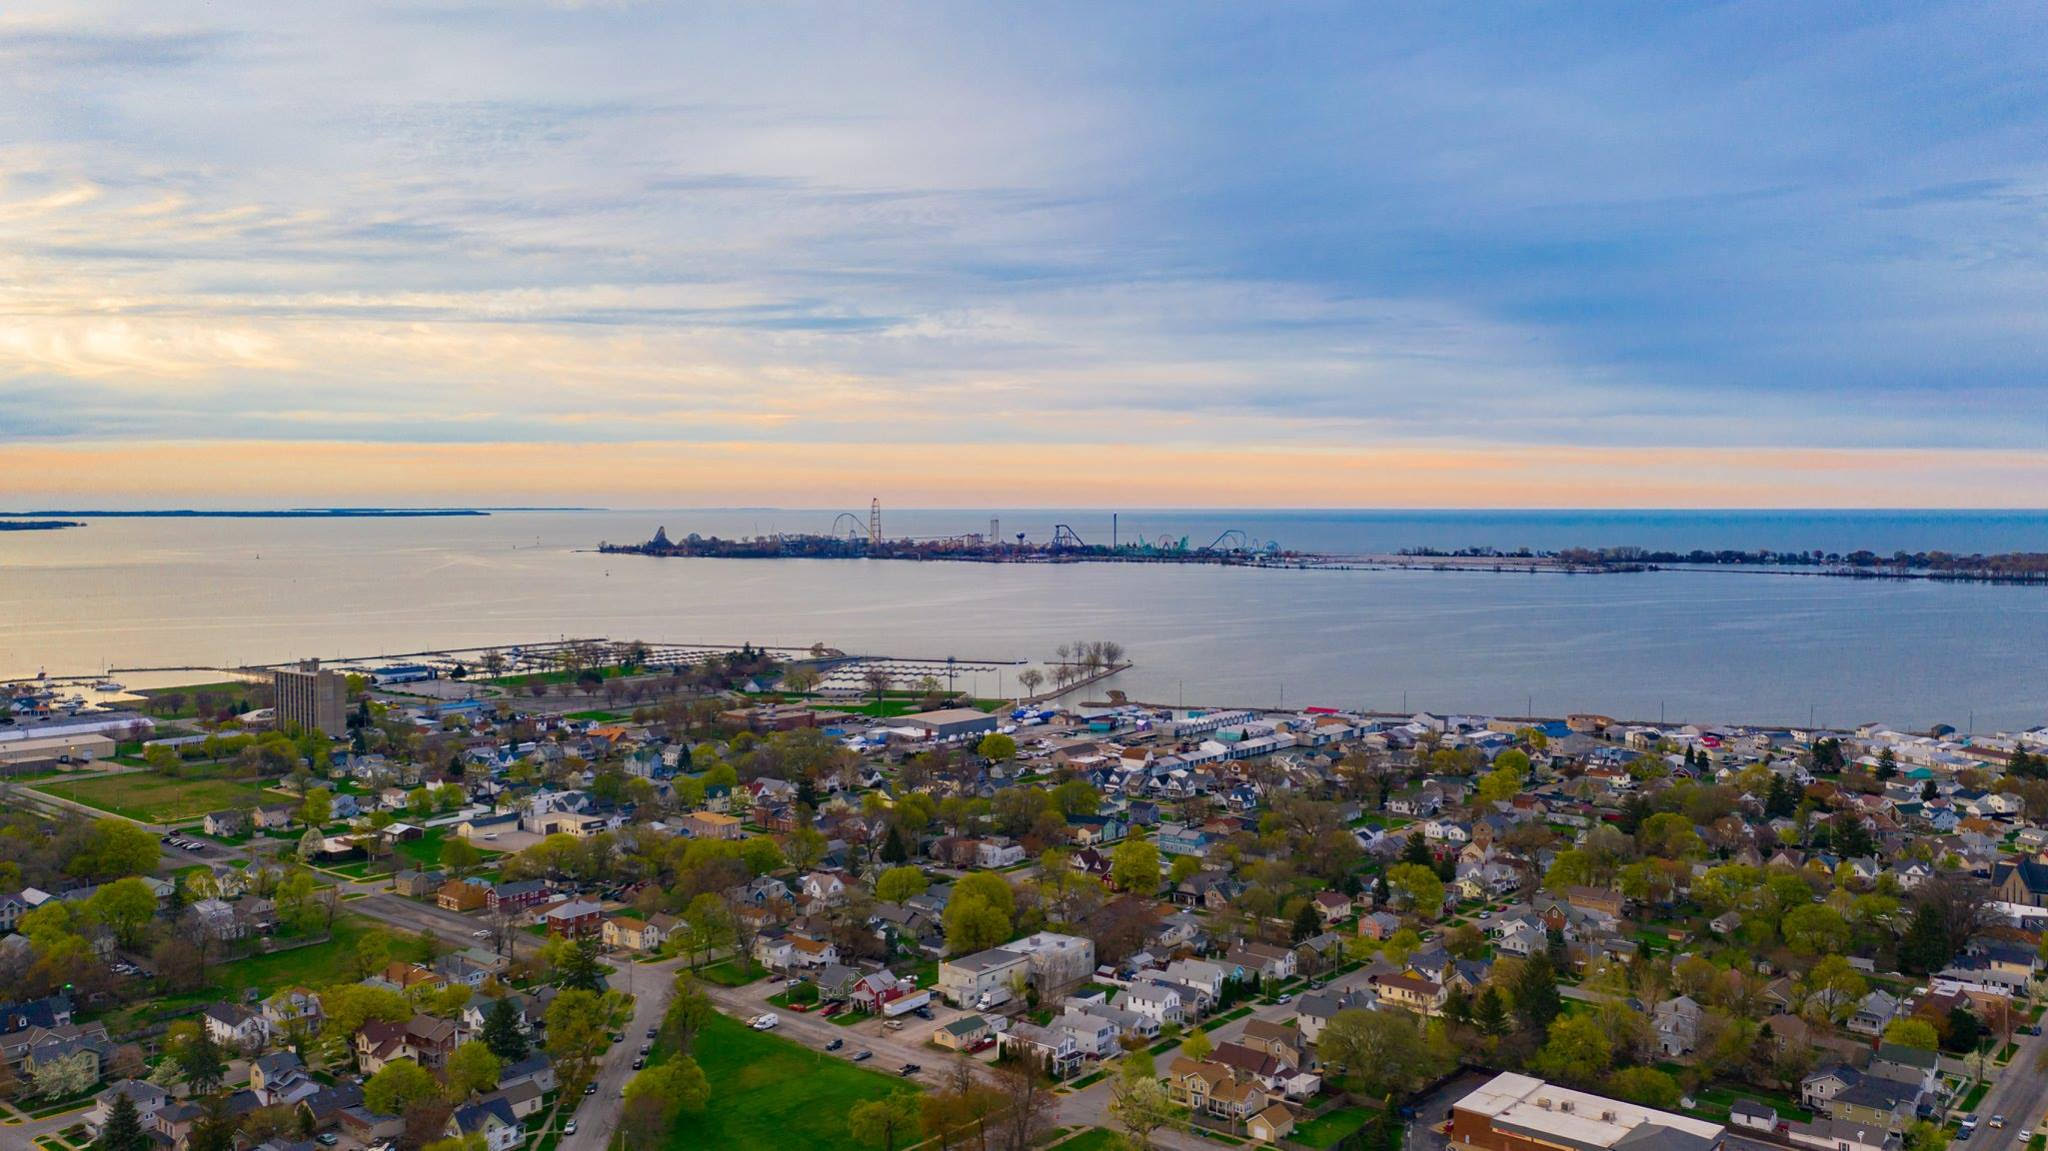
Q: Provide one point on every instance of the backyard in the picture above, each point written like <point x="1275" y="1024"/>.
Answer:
<point x="770" y="1093"/>
<point x="153" y="798"/>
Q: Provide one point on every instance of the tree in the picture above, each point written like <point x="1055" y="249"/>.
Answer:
<point x="1184" y="868"/>
<point x="1489" y="1014"/>
<point x="688" y="1011"/>
<point x="1815" y="929"/>
<point x="893" y="850"/>
<point x="656" y="1095"/>
<point x="503" y="1034"/>
<point x="398" y="1086"/>
<point x="473" y="1068"/>
<point x="578" y="1033"/>
<point x="1645" y="1085"/>
<point x="900" y="883"/>
<point x="1500" y="785"/>
<point x="884" y="1122"/>
<point x="125" y="906"/>
<point x="1535" y="993"/>
<point x="1913" y="1032"/>
<point x="1134" y="866"/>
<point x="1197" y="1045"/>
<point x="1418" y="886"/>
<point x="459" y="856"/>
<point x="197" y="1058"/>
<point x="1306" y="922"/>
<point x="1381" y="1052"/>
<point x="317" y="808"/>
<point x="1141" y="1107"/>
<point x="123" y="1128"/>
<point x="578" y="967"/>
<point x="997" y="746"/>
<point x="1577" y="1051"/>
<point x="973" y="924"/>
<point x="1925" y="948"/>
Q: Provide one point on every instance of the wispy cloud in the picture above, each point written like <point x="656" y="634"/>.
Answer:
<point x="1742" y="228"/>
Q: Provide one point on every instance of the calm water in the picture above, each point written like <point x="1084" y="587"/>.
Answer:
<point x="1686" y="645"/>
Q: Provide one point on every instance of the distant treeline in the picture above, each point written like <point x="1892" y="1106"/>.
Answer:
<point x="252" y="514"/>
<point x="37" y="525"/>
<point x="2003" y="567"/>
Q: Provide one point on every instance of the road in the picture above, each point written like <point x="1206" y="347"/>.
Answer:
<point x="2018" y="1094"/>
<point x="652" y="985"/>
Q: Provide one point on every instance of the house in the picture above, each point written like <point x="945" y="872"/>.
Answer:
<point x="1874" y="1013"/>
<point x="1054" y="1047"/>
<point x="490" y="1117"/>
<point x="573" y="918"/>
<point x="632" y="933"/>
<point x="1910" y="1066"/>
<point x="518" y="896"/>
<point x="418" y="884"/>
<point x="1332" y="906"/>
<point x="292" y="1008"/>
<point x="235" y="1027"/>
<point x="808" y="952"/>
<point x="992" y="854"/>
<point x="536" y="1069"/>
<point x="1263" y="960"/>
<point x="279" y="1077"/>
<point x="1678" y="1024"/>
<point x="217" y="918"/>
<point x="225" y="824"/>
<point x="273" y="816"/>
<point x="1379" y="925"/>
<point x="962" y="1034"/>
<point x="711" y="825"/>
<point x="524" y="1098"/>
<point x="824" y="888"/>
<point x="1158" y="1002"/>
<point x="1271" y="1125"/>
<point x="1411" y="992"/>
<point x="1277" y="1073"/>
<point x="147" y="1097"/>
<point x="1214" y="1089"/>
<point x="462" y="895"/>
<point x="2023" y="881"/>
<point x="1314" y="1010"/>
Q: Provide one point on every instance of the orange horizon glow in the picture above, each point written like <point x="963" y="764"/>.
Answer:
<point x="272" y="473"/>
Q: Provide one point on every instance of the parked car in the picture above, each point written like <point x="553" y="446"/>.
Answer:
<point x="327" y="1139"/>
<point x="590" y="1088"/>
<point x="863" y="1056"/>
<point x="835" y="1045"/>
<point x="569" y="1128"/>
<point x="1997" y="1122"/>
<point x="909" y="1069"/>
<point x="639" y="1063"/>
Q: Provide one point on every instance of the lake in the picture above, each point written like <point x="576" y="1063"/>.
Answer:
<point x="1682" y="645"/>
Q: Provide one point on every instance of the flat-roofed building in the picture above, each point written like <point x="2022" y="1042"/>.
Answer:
<point x="952" y="722"/>
<point x="313" y="699"/>
<point x="1522" y="1113"/>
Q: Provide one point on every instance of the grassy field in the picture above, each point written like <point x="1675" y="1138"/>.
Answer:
<point x="769" y="1093"/>
<point x="153" y="798"/>
<point x="726" y="973"/>
<point x="1327" y="1129"/>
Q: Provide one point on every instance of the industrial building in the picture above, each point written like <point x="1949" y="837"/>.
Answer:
<point x="1522" y="1113"/>
<point x="952" y="722"/>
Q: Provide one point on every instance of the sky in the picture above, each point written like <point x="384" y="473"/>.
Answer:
<point x="1042" y="254"/>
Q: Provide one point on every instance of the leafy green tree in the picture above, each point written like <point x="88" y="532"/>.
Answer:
<point x="473" y="1068"/>
<point x="1134" y="865"/>
<point x="1489" y="1014"/>
<point x="689" y="1010"/>
<point x="900" y="883"/>
<point x="997" y="746"/>
<point x="199" y="1061"/>
<point x="579" y="967"/>
<point x="893" y="850"/>
<point x="126" y="907"/>
<point x="1306" y="922"/>
<point x="579" y="1026"/>
<point x="398" y="1086"/>
<point x="1645" y="1085"/>
<point x="1419" y="886"/>
<point x="317" y="808"/>
<point x="884" y="1122"/>
<point x="1381" y="1051"/>
<point x="1577" y="1051"/>
<point x="1913" y="1032"/>
<point x="974" y="924"/>
<point x="503" y="1032"/>
<point x="1815" y="929"/>
<point x="459" y="856"/>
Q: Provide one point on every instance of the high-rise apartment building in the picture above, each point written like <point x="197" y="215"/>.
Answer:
<point x="313" y="699"/>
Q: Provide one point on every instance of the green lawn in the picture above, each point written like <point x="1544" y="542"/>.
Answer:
<point x="1325" y="1130"/>
<point x="769" y="1093"/>
<point x="726" y="974"/>
<point x="317" y="965"/>
<point x="154" y="798"/>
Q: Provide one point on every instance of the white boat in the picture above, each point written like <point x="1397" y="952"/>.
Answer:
<point x="107" y="685"/>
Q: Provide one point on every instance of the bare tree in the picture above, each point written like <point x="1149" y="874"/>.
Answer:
<point x="877" y="678"/>
<point x="1027" y="1105"/>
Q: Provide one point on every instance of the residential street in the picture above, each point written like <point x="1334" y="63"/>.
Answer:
<point x="2018" y="1094"/>
<point x="597" y="1116"/>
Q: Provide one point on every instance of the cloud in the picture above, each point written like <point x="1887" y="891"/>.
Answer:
<point x="1744" y="228"/>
